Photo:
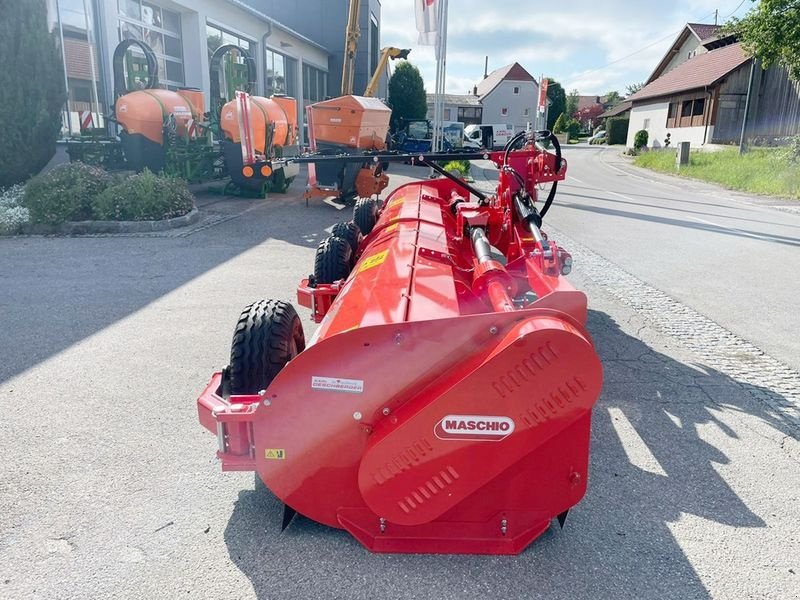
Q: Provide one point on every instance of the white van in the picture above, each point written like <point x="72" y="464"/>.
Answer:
<point x="489" y="136"/>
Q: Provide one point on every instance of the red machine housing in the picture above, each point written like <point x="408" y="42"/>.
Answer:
<point x="444" y="403"/>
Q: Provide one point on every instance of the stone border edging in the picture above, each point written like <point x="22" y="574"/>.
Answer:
<point x="94" y="227"/>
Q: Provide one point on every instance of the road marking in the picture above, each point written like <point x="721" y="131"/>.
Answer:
<point x="635" y="447"/>
<point x="755" y="236"/>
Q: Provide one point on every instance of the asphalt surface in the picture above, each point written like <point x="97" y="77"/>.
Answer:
<point x="110" y="488"/>
<point x="731" y="256"/>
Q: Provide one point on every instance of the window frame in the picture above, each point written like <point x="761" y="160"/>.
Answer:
<point x="161" y="56"/>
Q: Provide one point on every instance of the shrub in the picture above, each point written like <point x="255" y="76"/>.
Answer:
<point x="12" y="214"/>
<point x="791" y="152"/>
<point x="640" y="139"/>
<point x="462" y="166"/>
<point x="144" y="197"/>
<point x="617" y="128"/>
<point x="31" y="91"/>
<point x="64" y="193"/>
<point x="573" y="127"/>
<point x="560" y="124"/>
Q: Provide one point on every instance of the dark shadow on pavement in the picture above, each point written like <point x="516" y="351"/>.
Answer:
<point x="766" y="237"/>
<point x="57" y="291"/>
<point x="674" y="208"/>
<point x="616" y="544"/>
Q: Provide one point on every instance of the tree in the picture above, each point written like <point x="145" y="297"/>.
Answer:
<point x="560" y="124"/>
<point x="771" y="32"/>
<point x="634" y="87"/>
<point x="572" y="103"/>
<point x="587" y="117"/>
<point x="407" y="97"/>
<point x="31" y="91"/>
<point x="612" y="99"/>
<point x="558" y="102"/>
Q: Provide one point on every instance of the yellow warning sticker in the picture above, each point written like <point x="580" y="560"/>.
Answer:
<point x="395" y="202"/>
<point x="373" y="261"/>
<point x="275" y="453"/>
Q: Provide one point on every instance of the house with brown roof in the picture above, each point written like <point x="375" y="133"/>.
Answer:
<point x="509" y="95"/>
<point x="698" y="93"/>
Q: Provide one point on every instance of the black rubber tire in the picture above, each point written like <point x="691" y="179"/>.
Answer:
<point x="332" y="261"/>
<point x="267" y="336"/>
<point x="365" y="214"/>
<point x="348" y="231"/>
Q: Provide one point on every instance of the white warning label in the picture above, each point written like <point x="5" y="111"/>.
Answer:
<point x="334" y="384"/>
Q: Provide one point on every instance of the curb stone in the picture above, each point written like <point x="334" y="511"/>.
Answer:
<point x="95" y="227"/>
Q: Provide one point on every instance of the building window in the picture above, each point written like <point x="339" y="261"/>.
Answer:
<point x="516" y="90"/>
<point x="315" y="84"/>
<point x="281" y="74"/>
<point x="233" y="73"/>
<point x="160" y="29"/>
<point x="686" y="108"/>
<point x="446" y="116"/>
<point x="646" y="124"/>
<point x="699" y="107"/>
<point x="504" y="111"/>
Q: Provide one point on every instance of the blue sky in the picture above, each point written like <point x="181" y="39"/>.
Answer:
<point x="572" y="45"/>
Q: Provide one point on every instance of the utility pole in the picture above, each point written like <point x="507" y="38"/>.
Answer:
<point x="716" y="15"/>
<point x="747" y="105"/>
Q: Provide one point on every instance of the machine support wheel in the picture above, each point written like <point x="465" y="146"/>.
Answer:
<point x="348" y="231"/>
<point x="365" y="214"/>
<point x="267" y="336"/>
<point x="332" y="261"/>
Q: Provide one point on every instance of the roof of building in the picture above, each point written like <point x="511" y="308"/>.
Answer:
<point x="617" y="110"/>
<point x="587" y="101"/>
<point x="512" y="72"/>
<point x="257" y="13"/>
<point x="459" y="99"/>
<point x="703" y="31"/>
<point x="701" y="71"/>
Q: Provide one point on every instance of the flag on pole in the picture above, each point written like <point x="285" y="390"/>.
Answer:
<point x="427" y="12"/>
<point x="543" y="83"/>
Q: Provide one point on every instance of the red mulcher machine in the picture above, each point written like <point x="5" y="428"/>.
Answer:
<point x="444" y="403"/>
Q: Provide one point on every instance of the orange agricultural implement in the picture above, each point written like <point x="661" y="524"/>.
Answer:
<point x="443" y="405"/>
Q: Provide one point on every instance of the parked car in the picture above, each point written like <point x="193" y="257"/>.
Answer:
<point x="597" y="137"/>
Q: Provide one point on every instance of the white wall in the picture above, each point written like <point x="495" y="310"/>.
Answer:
<point x="503" y="97"/>
<point x="657" y="127"/>
<point x="690" y="45"/>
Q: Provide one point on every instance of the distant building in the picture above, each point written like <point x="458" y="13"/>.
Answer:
<point x="465" y="108"/>
<point x="509" y="95"/>
<point x="698" y="92"/>
<point x="618" y="110"/>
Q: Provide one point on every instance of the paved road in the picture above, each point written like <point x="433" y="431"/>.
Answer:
<point x="733" y="258"/>
<point x="111" y="489"/>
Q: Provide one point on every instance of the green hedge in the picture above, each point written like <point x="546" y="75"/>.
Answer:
<point x="143" y="197"/>
<point x="617" y="128"/>
<point x="80" y="192"/>
<point x="65" y="193"/>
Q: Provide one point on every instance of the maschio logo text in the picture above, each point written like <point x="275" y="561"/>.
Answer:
<point x="484" y="428"/>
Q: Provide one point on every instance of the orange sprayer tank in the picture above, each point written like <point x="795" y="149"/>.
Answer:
<point x="143" y="112"/>
<point x="263" y="111"/>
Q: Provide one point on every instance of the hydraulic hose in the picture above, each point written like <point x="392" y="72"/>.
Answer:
<point x="120" y="83"/>
<point x="214" y="67"/>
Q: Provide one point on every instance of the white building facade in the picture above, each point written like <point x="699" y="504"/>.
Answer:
<point x="182" y="34"/>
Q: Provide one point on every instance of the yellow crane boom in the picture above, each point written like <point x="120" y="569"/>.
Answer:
<point x="386" y="54"/>
<point x="350" y="47"/>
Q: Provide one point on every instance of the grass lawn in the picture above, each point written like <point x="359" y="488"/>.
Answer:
<point x="760" y="171"/>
